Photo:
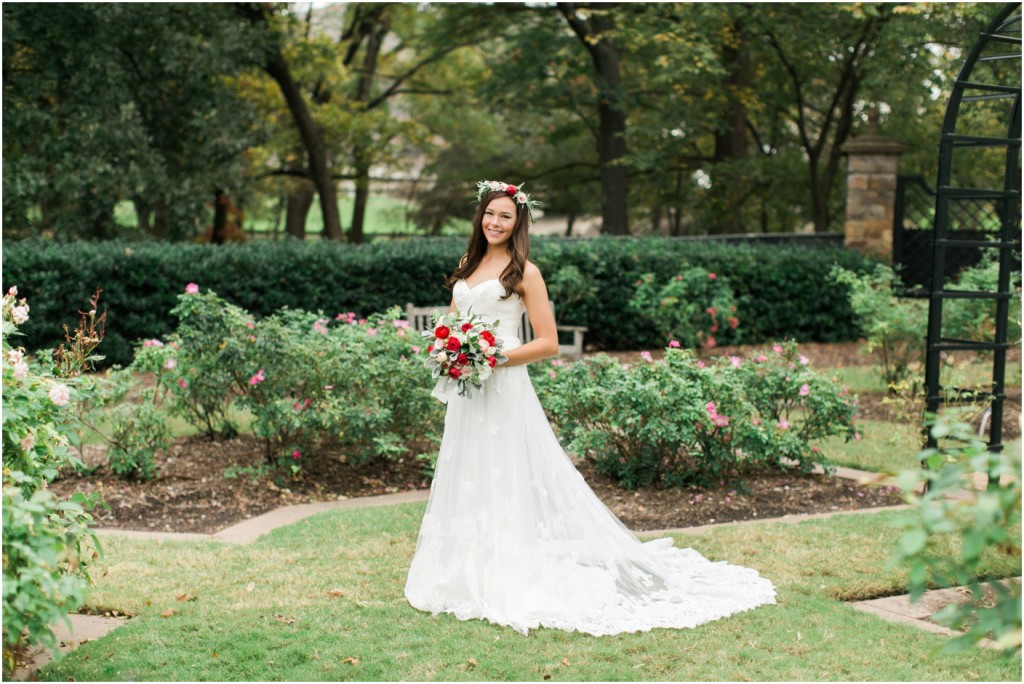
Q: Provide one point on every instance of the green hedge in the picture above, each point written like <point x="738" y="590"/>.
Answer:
<point x="782" y="291"/>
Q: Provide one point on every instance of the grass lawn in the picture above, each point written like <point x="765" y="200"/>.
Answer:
<point x="867" y="379"/>
<point x="322" y="600"/>
<point x="384" y="215"/>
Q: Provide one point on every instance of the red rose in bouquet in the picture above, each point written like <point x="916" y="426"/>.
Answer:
<point x="463" y="351"/>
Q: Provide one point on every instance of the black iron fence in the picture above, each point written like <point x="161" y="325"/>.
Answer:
<point x="913" y="227"/>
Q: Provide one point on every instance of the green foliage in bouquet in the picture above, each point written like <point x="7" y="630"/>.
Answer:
<point x="985" y="524"/>
<point x="683" y="422"/>
<point x="47" y="544"/>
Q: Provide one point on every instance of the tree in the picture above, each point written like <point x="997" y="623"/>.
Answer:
<point x="312" y="135"/>
<point x="108" y="102"/>
<point x="595" y="30"/>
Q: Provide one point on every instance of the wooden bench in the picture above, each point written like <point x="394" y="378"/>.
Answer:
<point x="419" y="318"/>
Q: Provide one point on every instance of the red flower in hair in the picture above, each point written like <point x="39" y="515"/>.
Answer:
<point x="512" y="190"/>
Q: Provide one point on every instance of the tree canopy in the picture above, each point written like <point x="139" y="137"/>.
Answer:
<point x="672" y="118"/>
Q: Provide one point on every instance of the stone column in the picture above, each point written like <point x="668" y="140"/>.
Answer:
<point x="872" y="162"/>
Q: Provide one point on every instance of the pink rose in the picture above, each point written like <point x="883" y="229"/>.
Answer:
<point x="60" y="394"/>
<point x="782" y="424"/>
<point x="804" y="360"/>
<point x="182" y="383"/>
<point x="674" y="344"/>
<point x="296" y="455"/>
<point x="777" y="348"/>
<point x="805" y="390"/>
<point x="170" y="364"/>
<point x="646" y="356"/>
<point x="711" y="276"/>
<point x="552" y="374"/>
<point x="191" y="288"/>
<point x="258" y="378"/>
<point x="735" y="361"/>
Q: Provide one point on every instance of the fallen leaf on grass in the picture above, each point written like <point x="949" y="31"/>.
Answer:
<point x="565" y="661"/>
<point x="335" y="592"/>
<point x="183" y="597"/>
<point x="547" y="677"/>
<point x="350" y="659"/>
<point x="282" y="618"/>
<point x="213" y="655"/>
<point x="472" y="662"/>
<point x="168" y="613"/>
<point x="250" y="586"/>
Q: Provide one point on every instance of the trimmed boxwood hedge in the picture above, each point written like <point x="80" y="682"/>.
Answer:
<point x="782" y="291"/>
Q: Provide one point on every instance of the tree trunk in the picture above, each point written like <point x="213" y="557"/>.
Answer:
<point x="611" y="112"/>
<point x="309" y="131"/>
<point x="569" y="221"/>
<point x="299" y="202"/>
<point x="375" y="28"/>
<point x="142" y="215"/>
<point x="220" y="217"/>
<point x="731" y="141"/>
<point x="160" y="218"/>
<point x="355" y="231"/>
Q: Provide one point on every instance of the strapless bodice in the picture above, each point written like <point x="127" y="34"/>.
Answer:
<point x="485" y="300"/>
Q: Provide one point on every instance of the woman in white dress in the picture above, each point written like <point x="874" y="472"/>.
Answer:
<point x="512" y="533"/>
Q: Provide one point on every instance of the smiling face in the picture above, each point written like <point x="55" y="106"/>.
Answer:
<point x="499" y="221"/>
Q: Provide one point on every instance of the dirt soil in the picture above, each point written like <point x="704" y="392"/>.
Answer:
<point x="192" y="493"/>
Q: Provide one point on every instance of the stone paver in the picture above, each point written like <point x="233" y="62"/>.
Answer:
<point x="900" y="609"/>
<point x="249" y="530"/>
<point x="83" y="628"/>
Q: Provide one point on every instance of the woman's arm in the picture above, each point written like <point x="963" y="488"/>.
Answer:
<point x="538" y="308"/>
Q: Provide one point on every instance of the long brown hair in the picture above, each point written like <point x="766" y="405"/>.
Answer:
<point x="518" y="247"/>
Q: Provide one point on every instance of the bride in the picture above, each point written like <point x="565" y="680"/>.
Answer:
<point x="512" y="533"/>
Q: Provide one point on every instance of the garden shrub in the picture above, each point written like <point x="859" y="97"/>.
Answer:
<point x="896" y="326"/>
<point x="695" y="307"/>
<point x="47" y="544"/>
<point x="780" y="290"/>
<point x="988" y="523"/>
<point x="346" y="386"/>
<point x="681" y="421"/>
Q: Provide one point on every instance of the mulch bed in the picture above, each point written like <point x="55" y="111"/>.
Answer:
<point x="192" y="494"/>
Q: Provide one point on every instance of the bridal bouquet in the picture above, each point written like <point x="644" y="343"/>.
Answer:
<point x="463" y="352"/>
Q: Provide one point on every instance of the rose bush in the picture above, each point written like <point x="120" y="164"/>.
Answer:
<point x="681" y="421"/>
<point x="346" y="387"/>
<point x="695" y="307"/>
<point x="47" y="544"/>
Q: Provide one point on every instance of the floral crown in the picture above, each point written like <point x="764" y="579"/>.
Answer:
<point x="516" y="193"/>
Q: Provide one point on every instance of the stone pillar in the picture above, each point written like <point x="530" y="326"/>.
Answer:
<point x="872" y="161"/>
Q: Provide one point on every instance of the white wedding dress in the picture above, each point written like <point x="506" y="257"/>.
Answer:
<point x="513" y="534"/>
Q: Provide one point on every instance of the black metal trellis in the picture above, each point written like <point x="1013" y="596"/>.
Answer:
<point x="914" y="229"/>
<point x="978" y="81"/>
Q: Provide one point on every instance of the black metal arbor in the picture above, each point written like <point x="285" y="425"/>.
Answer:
<point x="982" y="128"/>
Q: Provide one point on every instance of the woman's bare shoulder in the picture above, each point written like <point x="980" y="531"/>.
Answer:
<point x="531" y="271"/>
